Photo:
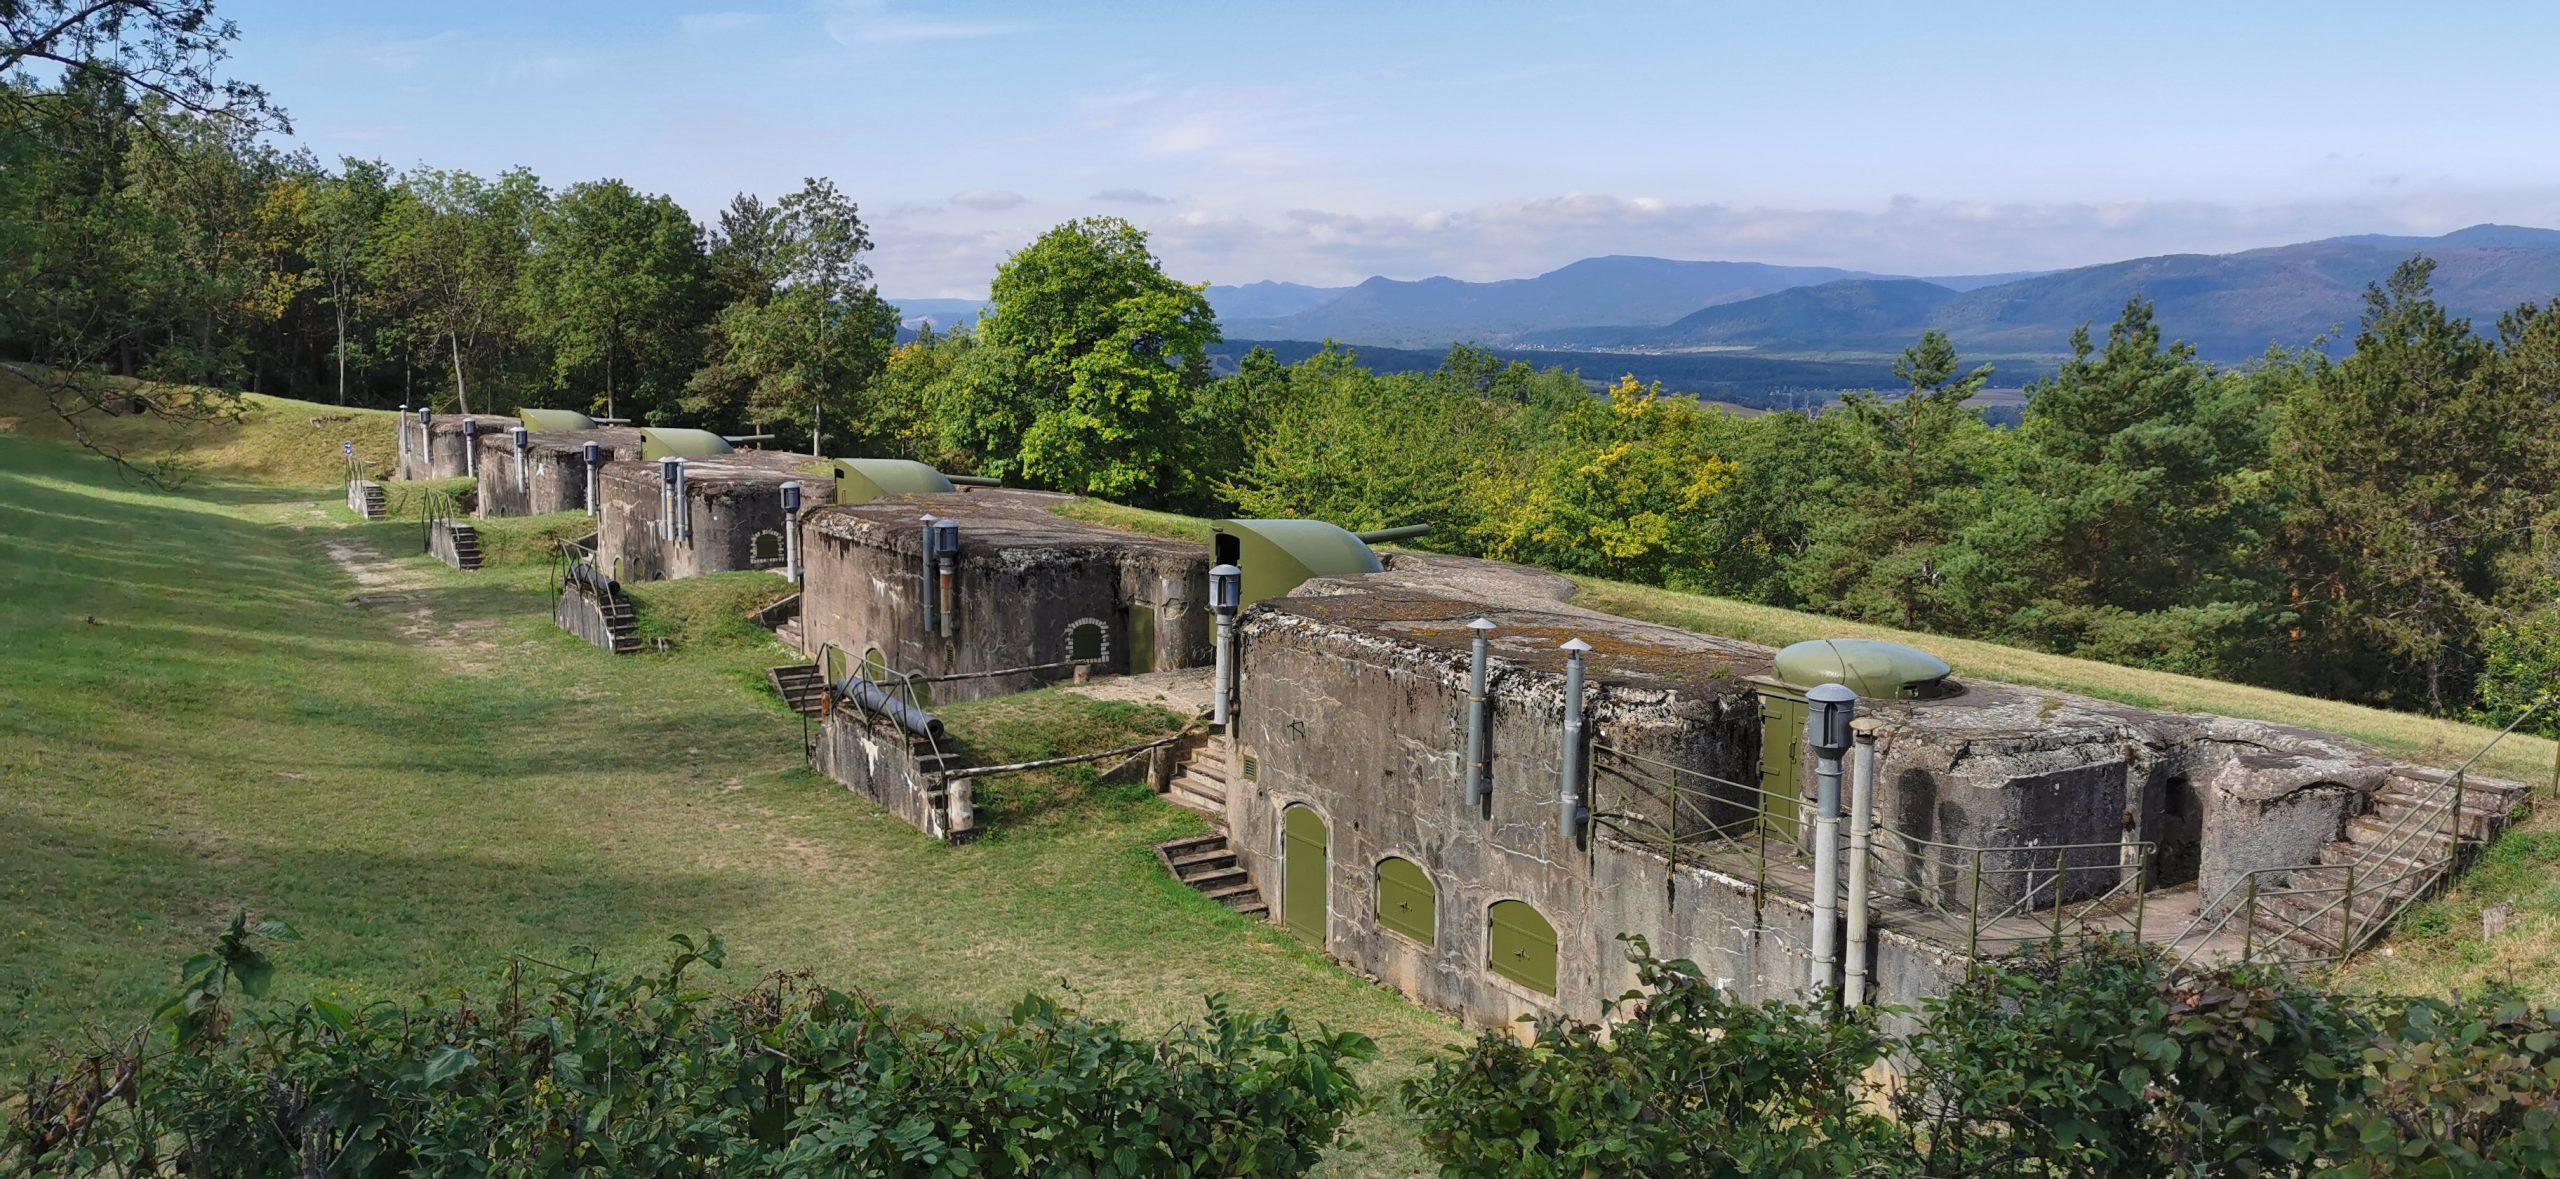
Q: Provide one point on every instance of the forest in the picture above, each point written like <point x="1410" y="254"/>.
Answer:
<point x="2381" y="526"/>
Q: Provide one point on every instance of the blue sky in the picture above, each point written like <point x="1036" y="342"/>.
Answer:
<point x="1324" y="142"/>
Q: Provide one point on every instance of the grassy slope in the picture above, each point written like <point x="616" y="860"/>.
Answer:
<point x="435" y="776"/>
<point x="278" y="440"/>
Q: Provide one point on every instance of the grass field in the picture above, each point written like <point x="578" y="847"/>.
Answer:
<point x="434" y="776"/>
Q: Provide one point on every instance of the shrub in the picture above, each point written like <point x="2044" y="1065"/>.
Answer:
<point x="566" y="1070"/>
<point x="1688" y="1083"/>
<point x="2094" y="1061"/>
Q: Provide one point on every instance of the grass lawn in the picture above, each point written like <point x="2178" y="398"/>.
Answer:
<point x="206" y="712"/>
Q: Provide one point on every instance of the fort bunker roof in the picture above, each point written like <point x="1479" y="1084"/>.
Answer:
<point x="1010" y="524"/>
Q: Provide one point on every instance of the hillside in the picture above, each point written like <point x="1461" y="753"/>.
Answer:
<point x="2231" y="306"/>
<point x="1434" y="312"/>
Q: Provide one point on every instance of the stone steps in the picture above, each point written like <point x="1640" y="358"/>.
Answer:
<point x="802" y="687"/>
<point x="1200" y="778"/>
<point x="2395" y="852"/>
<point x="1208" y="865"/>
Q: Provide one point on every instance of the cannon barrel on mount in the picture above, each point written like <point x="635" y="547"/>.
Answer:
<point x="1402" y="532"/>
<point x="876" y="700"/>
<point x="973" y="481"/>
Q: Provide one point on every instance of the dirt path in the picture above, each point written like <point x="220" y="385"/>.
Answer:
<point x="393" y="588"/>
<point x="1186" y="690"/>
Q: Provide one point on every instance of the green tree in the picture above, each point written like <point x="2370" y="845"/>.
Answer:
<point x="1089" y="353"/>
<point x="452" y="250"/>
<point x="1903" y="478"/>
<point x="340" y="225"/>
<point x="1368" y="451"/>
<point x="1626" y="489"/>
<point x="817" y="332"/>
<point x="613" y="284"/>
<point x="2409" y="469"/>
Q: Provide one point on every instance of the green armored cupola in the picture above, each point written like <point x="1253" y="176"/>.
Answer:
<point x="1874" y="670"/>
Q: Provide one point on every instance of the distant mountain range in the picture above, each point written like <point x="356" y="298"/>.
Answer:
<point x="2231" y="306"/>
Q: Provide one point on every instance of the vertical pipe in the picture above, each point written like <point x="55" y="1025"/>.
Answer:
<point x="1480" y="719"/>
<point x="791" y="533"/>
<point x="404" y="466"/>
<point x="944" y="539"/>
<point x="471" y="448"/>
<point x="1223" y="688"/>
<point x="1573" y="811"/>
<point x="684" y="507"/>
<point x="666" y="499"/>
<point x="1862" y="819"/>
<point x="932" y="600"/>
<point x="1831" y="707"/>
<point x="523" y="442"/>
<point x="593" y="454"/>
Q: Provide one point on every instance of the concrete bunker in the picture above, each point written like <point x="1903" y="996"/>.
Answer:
<point x="981" y="591"/>
<point x="1616" y="777"/>
<point x="443" y="446"/>
<point x="667" y="514"/>
<point x="550" y="463"/>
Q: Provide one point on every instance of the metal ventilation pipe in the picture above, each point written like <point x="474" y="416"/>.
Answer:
<point x="523" y="440"/>
<point x="1480" y="719"/>
<point x="471" y="447"/>
<point x="1826" y="729"/>
<point x="1862" y="822"/>
<point x="594" y="455"/>
<point x="791" y="533"/>
<point x="683" y="522"/>
<point x="401" y="438"/>
<point x="945" y="535"/>
<point x="932" y="598"/>
<point x="1575" y="812"/>
<point x="426" y="440"/>
<point x="1226" y="593"/>
<point x="667" y="468"/>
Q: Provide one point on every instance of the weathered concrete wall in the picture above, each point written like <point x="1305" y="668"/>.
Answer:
<point x="442" y="454"/>
<point x="878" y="762"/>
<point x="553" y="474"/>
<point x="730" y="510"/>
<point x="580" y="612"/>
<point x="1023" y="582"/>
<point x="1371" y="735"/>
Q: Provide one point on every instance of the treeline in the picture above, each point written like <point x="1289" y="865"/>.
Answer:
<point x="2383" y="527"/>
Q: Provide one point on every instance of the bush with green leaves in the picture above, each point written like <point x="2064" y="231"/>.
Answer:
<point x="2092" y="1061"/>
<point x="563" y="1070"/>
<point x="1687" y="1083"/>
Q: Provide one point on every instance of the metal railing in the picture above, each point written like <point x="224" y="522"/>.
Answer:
<point x="435" y="506"/>
<point x="1983" y="900"/>
<point x="2311" y="915"/>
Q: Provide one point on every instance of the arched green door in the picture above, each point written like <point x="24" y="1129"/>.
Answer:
<point x="1521" y="946"/>
<point x="1308" y="874"/>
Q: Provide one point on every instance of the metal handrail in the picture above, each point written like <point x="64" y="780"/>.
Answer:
<point x="2367" y="873"/>
<point x="1762" y="810"/>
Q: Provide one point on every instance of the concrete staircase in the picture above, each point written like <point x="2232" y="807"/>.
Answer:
<point x="369" y="501"/>
<point x="1208" y="864"/>
<point x="462" y="545"/>
<point x="801" y="685"/>
<point x="2395" y="853"/>
<point x="1200" y="777"/>
<point x="622" y="622"/>
<point x="783" y="619"/>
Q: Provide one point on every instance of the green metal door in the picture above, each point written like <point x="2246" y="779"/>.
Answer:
<point x="1142" y="638"/>
<point x="1781" y="764"/>
<point x="1408" y="902"/>
<point x="1521" y="946"/>
<point x="1302" y="898"/>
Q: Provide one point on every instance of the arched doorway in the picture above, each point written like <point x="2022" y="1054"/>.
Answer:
<point x="1304" y="848"/>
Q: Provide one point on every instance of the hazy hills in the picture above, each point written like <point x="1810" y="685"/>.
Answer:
<point x="2231" y="306"/>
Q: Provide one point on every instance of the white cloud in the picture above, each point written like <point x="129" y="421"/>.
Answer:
<point x="713" y="24"/>
<point x="955" y="249"/>
<point x="856" y="23"/>
<point x="988" y="199"/>
<point x="1130" y="196"/>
